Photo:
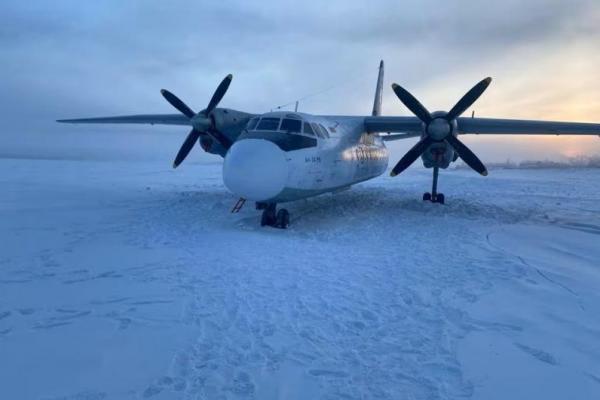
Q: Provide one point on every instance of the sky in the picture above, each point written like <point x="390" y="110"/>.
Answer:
<point x="63" y="59"/>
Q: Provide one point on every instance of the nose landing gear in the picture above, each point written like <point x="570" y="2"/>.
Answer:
<point x="434" y="196"/>
<point x="271" y="217"/>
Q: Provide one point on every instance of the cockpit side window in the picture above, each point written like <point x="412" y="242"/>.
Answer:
<point x="308" y="129"/>
<point x="268" y="124"/>
<point x="291" y="125"/>
<point x="324" y="131"/>
<point x="317" y="131"/>
<point x="252" y="124"/>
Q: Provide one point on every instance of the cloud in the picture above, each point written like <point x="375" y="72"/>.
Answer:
<point x="72" y="58"/>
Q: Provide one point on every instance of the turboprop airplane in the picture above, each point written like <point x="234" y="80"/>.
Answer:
<point x="282" y="156"/>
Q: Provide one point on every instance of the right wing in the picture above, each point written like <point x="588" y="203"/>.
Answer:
<point x="400" y="136"/>
<point x="496" y="126"/>
<point x="152" y="119"/>
<point x="485" y="126"/>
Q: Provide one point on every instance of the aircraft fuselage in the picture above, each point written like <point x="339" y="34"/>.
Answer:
<point x="278" y="165"/>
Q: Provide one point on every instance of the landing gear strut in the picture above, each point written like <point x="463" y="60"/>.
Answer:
<point x="434" y="196"/>
<point x="272" y="217"/>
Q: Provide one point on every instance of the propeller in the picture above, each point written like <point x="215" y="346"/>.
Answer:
<point x="201" y="122"/>
<point x="439" y="128"/>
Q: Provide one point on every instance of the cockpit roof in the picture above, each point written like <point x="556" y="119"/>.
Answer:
<point x="284" y="114"/>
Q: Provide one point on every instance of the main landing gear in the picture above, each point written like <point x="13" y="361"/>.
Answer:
<point x="272" y="217"/>
<point x="434" y="196"/>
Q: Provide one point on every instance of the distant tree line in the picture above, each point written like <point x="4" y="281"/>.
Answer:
<point x="572" y="162"/>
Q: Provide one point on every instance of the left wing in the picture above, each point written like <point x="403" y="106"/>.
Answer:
<point x="152" y="119"/>
<point x="412" y="126"/>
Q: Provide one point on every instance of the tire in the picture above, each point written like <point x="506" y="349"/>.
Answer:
<point x="440" y="198"/>
<point x="283" y="218"/>
<point x="264" y="221"/>
<point x="427" y="196"/>
<point x="268" y="218"/>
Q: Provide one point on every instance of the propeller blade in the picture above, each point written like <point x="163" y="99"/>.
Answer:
<point x="468" y="99"/>
<point x="186" y="147"/>
<point x="412" y="103"/>
<point x="219" y="93"/>
<point x="177" y="103"/>
<point x="467" y="155"/>
<point x="412" y="155"/>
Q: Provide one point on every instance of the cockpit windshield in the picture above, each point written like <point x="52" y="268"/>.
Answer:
<point x="308" y="130"/>
<point x="252" y="124"/>
<point x="289" y="133"/>
<point x="268" y="124"/>
<point x="291" y="125"/>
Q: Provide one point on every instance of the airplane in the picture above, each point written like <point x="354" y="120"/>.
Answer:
<point x="283" y="156"/>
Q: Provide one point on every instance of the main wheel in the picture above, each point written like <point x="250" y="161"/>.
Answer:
<point x="283" y="218"/>
<point x="440" y="198"/>
<point x="427" y="196"/>
<point x="268" y="218"/>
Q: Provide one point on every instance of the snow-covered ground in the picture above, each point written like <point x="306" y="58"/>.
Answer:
<point x="123" y="280"/>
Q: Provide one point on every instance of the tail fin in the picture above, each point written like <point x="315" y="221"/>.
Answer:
<point x="378" y="92"/>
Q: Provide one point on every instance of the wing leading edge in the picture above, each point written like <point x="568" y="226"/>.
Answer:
<point x="152" y="119"/>
<point x="410" y="126"/>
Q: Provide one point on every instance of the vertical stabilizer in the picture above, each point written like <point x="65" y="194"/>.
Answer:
<point x="378" y="92"/>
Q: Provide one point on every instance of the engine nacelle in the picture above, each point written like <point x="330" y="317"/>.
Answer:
<point x="439" y="154"/>
<point x="229" y="123"/>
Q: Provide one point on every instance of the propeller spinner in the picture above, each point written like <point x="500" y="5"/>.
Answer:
<point x="201" y="122"/>
<point x="440" y="128"/>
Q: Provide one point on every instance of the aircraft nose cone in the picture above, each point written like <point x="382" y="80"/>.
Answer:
<point x="255" y="169"/>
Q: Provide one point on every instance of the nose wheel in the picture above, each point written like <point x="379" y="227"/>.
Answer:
<point x="277" y="219"/>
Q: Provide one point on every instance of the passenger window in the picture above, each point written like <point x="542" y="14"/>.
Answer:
<point x="324" y="130"/>
<point x="252" y="124"/>
<point x="291" y="125"/>
<point x="308" y="129"/>
<point x="268" y="124"/>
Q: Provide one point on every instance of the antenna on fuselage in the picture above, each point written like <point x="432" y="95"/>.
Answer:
<point x="346" y="82"/>
<point x="296" y="108"/>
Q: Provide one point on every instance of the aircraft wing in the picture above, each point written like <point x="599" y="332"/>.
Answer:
<point x="405" y="125"/>
<point x="412" y="126"/>
<point x="152" y="119"/>
<point x="400" y="136"/>
<point x="490" y="126"/>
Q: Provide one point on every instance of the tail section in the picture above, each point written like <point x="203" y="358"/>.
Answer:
<point x="378" y="92"/>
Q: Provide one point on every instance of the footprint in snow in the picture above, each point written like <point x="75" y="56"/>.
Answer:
<point x="85" y="395"/>
<point x="541" y="355"/>
<point x="328" y="373"/>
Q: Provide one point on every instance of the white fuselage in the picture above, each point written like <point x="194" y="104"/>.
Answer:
<point x="258" y="170"/>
